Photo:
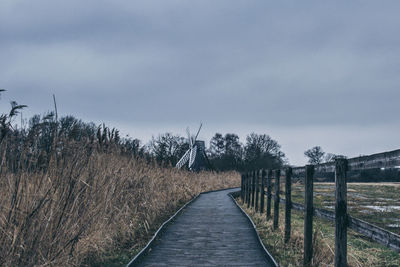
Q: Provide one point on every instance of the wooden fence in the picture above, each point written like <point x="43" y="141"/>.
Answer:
<point x="253" y="191"/>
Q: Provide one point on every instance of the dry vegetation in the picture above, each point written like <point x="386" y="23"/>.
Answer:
<point x="88" y="203"/>
<point x="361" y="252"/>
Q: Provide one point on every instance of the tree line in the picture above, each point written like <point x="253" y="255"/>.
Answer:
<point x="46" y="134"/>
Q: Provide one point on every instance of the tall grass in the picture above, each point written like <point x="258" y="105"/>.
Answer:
<point x="87" y="202"/>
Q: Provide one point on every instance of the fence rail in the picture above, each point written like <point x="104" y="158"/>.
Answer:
<point x="251" y="183"/>
<point x="376" y="233"/>
<point x="390" y="159"/>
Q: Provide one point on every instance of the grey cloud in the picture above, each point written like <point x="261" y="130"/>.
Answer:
<point x="281" y="64"/>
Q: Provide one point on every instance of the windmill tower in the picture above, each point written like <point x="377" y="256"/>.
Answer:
<point x="195" y="156"/>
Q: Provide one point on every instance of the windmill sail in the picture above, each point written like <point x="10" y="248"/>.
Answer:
<point x="189" y="137"/>
<point x="183" y="160"/>
<point x="192" y="157"/>
<point x="201" y="124"/>
<point x="195" y="156"/>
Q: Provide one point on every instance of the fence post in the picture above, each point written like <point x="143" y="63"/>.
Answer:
<point x="242" y="187"/>
<point x="276" y="198"/>
<point x="262" y="196"/>
<point x="340" y="212"/>
<point x="288" y="208"/>
<point x="256" y="173"/>
<point x="253" y="187"/>
<point x="249" y="189"/>
<point x="269" y="194"/>
<point x="245" y="188"/>
<point x="308" y="216"/>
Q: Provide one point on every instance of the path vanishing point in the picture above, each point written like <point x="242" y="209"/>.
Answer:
<point x="210" y="231"/>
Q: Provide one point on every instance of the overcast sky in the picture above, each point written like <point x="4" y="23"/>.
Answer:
<point x="305" y="72"/>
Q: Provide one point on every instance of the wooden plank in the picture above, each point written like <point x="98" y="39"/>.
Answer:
<point x="328" y="167"/>
<point x="269" y="193"/>
<point x="341" y="213"/>
<point x="298" y="206"/>
<point x="257" y="179"/>
<point x="288" y="207"/>
<point x="206" y="234"/>
<point x="382" y="236"/>
<point x="308" y="216"/>
<point x="276" y="198"/>
<point x="263" y="175"/>
<point x="242" y="187"/>
<point x="245" y="188"/>
<point x="253" y="188"/>
<point x="325" y="214"/>
<point x="377" y="234"/>
<point x="249" y="189"/>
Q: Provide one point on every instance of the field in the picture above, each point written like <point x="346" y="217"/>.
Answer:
<point x="361" y="252"/>
<point x="376" y="203"/>
<point x="89" y="207"/>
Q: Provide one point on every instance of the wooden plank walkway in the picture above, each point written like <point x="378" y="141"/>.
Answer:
<point x="211" y="231"/>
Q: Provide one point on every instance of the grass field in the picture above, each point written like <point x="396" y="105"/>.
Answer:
<point x="376" y="203"/>
<point x="361" y="252"/>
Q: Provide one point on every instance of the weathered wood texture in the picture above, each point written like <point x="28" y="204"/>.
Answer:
<point x="288" y="207"/>
<point x="389" y="159"/>
<point x="242" y="187"/>
<point x="276" y="198"/>
<point x="262" y="196"/>
<point x="257" y="179"/>
<point x="308" y="216"/>
<point x="253" y="187"/>
<point x="249" y="189"/>
<point x="269" y="193"/>
<point x="211" y="231"/>
<point x="341" y="218"/>
<point x="245" y="188"/>
<point x="340" y="213"/>
<point x="380" y="235"/>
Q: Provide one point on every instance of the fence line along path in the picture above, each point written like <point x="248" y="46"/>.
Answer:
<point x="211" y="231"/>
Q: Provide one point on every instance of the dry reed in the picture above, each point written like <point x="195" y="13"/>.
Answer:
<point x="89" y="203"/>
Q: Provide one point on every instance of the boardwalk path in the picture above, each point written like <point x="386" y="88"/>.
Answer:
<point x="211" y="231"/>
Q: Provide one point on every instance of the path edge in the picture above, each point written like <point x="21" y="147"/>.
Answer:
<point x="254" y="228"/>
<point x="143" y="252"/>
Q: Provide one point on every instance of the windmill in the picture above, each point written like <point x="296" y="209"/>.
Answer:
<point x="195" y="156"/>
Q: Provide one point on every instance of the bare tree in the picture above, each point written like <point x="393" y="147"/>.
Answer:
<point x="217" y="145"/>
<point x="168" y="148"/>
<point x="262" y="151"/>
<point x="315" y="155"/>
<point x="330" y="157"/>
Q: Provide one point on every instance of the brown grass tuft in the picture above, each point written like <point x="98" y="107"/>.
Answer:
<point x="86" y="205"/>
